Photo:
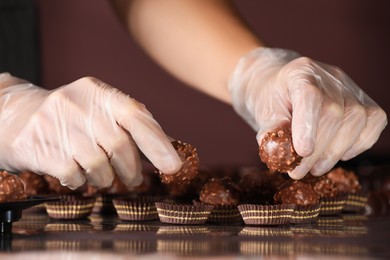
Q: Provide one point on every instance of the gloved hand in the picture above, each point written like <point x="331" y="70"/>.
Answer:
<point x="84" y="130"/>
<point x="331" y="118"/>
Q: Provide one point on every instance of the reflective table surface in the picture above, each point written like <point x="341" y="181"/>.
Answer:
<point x="346" y="236"/>
<point x="343" y="236"/>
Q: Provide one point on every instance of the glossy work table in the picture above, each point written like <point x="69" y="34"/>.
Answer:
<point x="346" y="236"/>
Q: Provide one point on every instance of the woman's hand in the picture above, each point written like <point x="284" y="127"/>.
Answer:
<point x="86" y="130"/>
<point x="331" y="118"/>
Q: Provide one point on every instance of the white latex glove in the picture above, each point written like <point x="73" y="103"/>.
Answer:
<point x="86" y="130"/>
<point x="331" y="118"/>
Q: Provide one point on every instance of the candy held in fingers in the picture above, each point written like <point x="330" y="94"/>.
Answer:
<point x="277" y="151"/>
<point x="190" y="166"/>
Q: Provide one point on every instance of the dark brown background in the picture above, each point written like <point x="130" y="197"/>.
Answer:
<point x="81" y="38"/>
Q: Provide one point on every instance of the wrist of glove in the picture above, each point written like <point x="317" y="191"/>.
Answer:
<point x="331" y="118"/>
<point x="86" y="130"/>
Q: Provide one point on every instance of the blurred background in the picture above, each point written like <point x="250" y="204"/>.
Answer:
<point x="84" y="38"/>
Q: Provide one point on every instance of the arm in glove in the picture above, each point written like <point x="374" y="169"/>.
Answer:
<point x="86" y="130"/>
<point x="331" y="118"/>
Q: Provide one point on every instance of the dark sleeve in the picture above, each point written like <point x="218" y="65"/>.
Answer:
<point x="19" y="39"/>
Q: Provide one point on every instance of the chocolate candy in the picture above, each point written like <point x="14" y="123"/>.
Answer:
<point x="323" y="186"/>
<point x="57" y="188"/>
<point x="345" y="180"/>
<point x="277" y="151"/>
<point x="34" y="184"/>
<point x="11" y="187"/>
<point x="219" y="192"/>
<point x="188" y="170"/>
<point x="296" y="192"/>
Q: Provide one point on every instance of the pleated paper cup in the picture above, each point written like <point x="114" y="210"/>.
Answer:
<point x="253" y="214"/>
<point x="304" y="214"/>
<point x="70" y="207"/>
<point x="137" y="209"/>
<point x="183" y="214"/>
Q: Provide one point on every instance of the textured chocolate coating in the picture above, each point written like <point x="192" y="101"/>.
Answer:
<point x="345" y="180"/>
<point x="34" y="184"/>
<point x="277" y="151"/>
<point x="296" y="192"/>
<point x="56" y="187"/>
<point x="219" y="192"/>
<point x="190" y="166"/>
<point x="324" y="187"/>
<point x="11" y="187"/>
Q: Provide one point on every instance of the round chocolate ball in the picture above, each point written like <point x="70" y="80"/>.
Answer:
<point x="34" y="184"/>
<point x="220" y="192"/>
<point x="296" y="192"/>
<point x="323" y="186"/>
<point x="188" y="170"/>
<point x="345" y="180"/>
<point x="11" y="187"/>
<point x="277" y="151"/>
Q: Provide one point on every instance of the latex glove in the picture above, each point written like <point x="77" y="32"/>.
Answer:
<point x="84" y="130"/>
<point x="331" y="118"/>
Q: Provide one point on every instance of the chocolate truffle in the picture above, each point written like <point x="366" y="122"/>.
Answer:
<point x="324" y="187"/>
<point x="34" y="184"/>
<point x="190" y="166"/>
<point x="11" y="187"/>
<point x="219" y="192"/>
<point x="56" y="187"/>
<point x="298" y="193"/>
<point x="345" y="180"/>
<point x="277" y="151"/>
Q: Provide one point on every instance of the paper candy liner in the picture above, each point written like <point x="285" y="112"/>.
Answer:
<point x="332" y="206"/>
<point x="305" y="214"/>
<point x="223" y="213"/>
<point x="336" y="221"/>
<point x="70" y="207"/>
<point x="253" y="214"/>
<point x="355" y="202"/>
<point x="137" y="209"/>
<point x="183" y="214"/>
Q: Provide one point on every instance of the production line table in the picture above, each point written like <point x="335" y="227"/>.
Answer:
<point x="346" y="236"/>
